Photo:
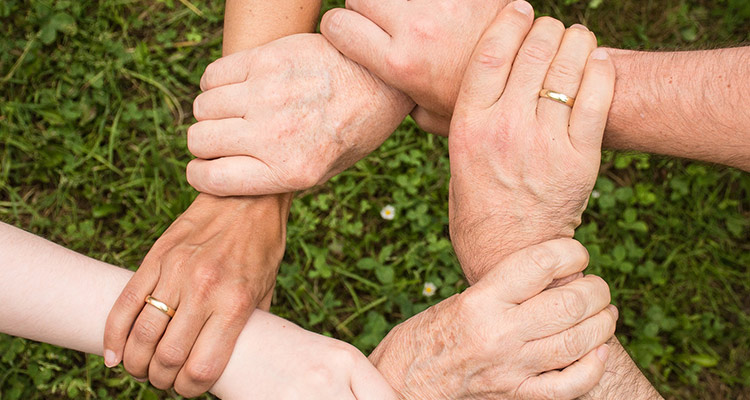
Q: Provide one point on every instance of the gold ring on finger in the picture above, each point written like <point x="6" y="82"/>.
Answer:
<point x="558" y="97"/>
<point x="161" y="306"/>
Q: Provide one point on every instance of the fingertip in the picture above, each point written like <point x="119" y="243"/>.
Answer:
<point x="600" y="54"/>
<point x="111" y="359"/>
<point x="330" y="23"/>
<point x="523" y="7"/>
<point x="603" y="353"/>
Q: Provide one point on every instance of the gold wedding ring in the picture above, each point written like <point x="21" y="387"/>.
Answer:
<point x="160" y="306"/>
<point x="558" y="97"/>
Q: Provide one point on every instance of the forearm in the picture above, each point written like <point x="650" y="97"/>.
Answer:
<point x="248" y="24"/>
<point x="54" y="295"/>
<point x="622" y="379"/>
<point x="684" y="104"/>
<point x="251" y="23"/>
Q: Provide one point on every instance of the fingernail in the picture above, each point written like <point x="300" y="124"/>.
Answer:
<point x="579" y="26"/>
<point x="523" y="7"/>
<point x="599" y="54"/>
<point x="110" y="358"/>
<point x="614" y="310"/>
<point x="603" y="352"/>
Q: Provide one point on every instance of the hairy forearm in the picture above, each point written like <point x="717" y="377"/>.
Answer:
<point x="684" y="104"/>
<point x="622" y="379"/>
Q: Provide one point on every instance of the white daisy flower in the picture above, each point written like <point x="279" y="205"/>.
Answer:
<point x="429" y="289"/>
<point x="388" y="212"/>
<point x="595" y="194"/>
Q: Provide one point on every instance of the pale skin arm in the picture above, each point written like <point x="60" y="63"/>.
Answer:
<point x="54" y="295"/>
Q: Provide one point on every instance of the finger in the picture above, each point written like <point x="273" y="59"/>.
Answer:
<point x="487" y="73"/>
<point x="570" y="383"/>
<point x="565" y="73"/>
<point x="431" y="122"/>
<point x="126" y="309"/>
<point x="147" y="331"/>
<point x="265" y="304"/>
<point x="589" y="115"/>
<point x="368" y="384"/>
<point x="558" y="309"/>
<point x="224" y="138"/>
<point x="565" y="281"/>
<point x="228" y="101"/>
<point x="386" y="14"/>
<point x="526" y="273"/>
<point x="209" y="356"/>
<point x="236" y="176"/>
<point x="174" y="348"/>
<point x="559" y="351"/>
<point x="359" y="39"/>
<point x="533" y="61"/>
<point x="227" y="70"/>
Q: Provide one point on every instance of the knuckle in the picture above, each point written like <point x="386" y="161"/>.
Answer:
<point x="489" y="55"/>
<point x="565" y="71"/>
<point x="131" y="298"/>
<point x="198" y="107"/>
<point x="215" y="179"/>
<point x="205" y="279"/>
<point x="538" y="51"/>
<point x="305" y="177"/>
<point x="591" y="109"/>
<point x="424" y="29"/>
<point x="202" y="373"/>
<point x="572" y="303"/>
<point x="320" y="376"/>
<point x="170" y="356"/>
<point x="573" y="345"/>
<point x="194" y="143"/>
<point x="208" y="75"/>
<point x="400" y="66"/>
<point x="600" y="286"/>
<point x="146" y="331"/>
<point x="543" y="258"/>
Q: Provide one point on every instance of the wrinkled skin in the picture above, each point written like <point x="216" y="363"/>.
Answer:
<point x="214" y="272"/>
<point x="522" y="169"/>
<point x="522" y="166"/>
<point x="505" y="337"/>
<point x="286" y="116"/>
<point x="419" y="47"/>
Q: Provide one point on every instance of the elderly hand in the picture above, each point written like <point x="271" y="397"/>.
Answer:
<point x="214" y="265"/>
<point x="420" y="47"/>
<point x="286" y="116"/>
<point x="507" y="337"/>
<point x="523" y="166"/>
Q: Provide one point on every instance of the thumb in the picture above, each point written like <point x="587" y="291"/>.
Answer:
<point x="358" y="38"/>
<point x="526" y="273"/>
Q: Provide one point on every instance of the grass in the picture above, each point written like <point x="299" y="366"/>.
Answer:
<point x="94" y="103"/>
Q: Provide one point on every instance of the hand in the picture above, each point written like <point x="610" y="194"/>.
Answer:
<point x="522" y="166"/>
<point x="213" y="265"/>
<point x="286" y="116"/>
<point x="506" y="337"/>
<point x="275" y="359"/>
<point x="420" y="47"/>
